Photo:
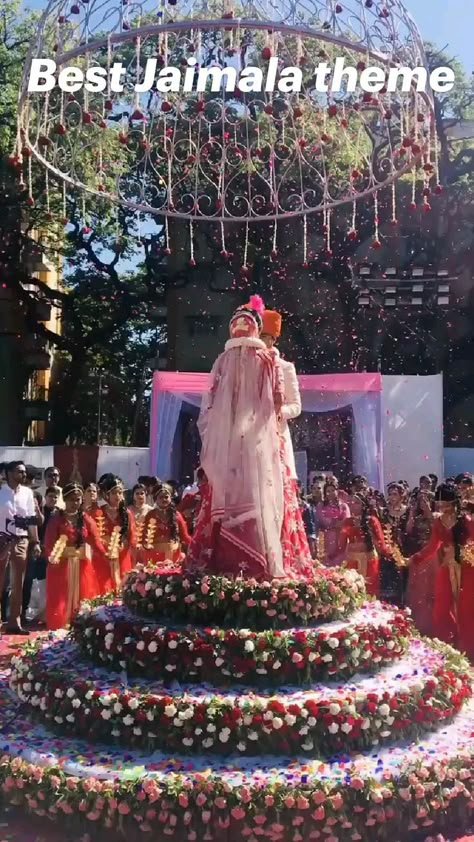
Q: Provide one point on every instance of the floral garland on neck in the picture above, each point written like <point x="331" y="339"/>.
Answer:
<point x="394" y="549"/>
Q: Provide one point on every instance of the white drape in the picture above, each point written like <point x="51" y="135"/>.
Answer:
<point x="169" y="408"/>
<point x="366" y="441"/>
<point x="127" y="462"/>
<point x="40" y="457"/>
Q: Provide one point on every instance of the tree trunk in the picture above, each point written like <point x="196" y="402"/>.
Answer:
<point x="62" y="400"/>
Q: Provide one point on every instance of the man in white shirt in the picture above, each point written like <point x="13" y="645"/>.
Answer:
<point x="292" y="400"/>
<point x="18" y="529"/>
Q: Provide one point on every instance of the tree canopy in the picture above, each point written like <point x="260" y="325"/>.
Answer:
<point x="117" y="273"/>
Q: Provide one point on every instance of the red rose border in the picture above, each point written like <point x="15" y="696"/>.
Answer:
<point x="221" y="725"/>
<point x="220" y="656"/>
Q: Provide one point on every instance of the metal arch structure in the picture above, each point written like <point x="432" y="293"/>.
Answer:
<point x="227" y="156"/>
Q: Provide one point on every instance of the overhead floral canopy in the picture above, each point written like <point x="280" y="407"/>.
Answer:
<point x="223" y="153"/>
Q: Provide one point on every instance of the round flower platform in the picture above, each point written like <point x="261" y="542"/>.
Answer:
<point x="291" y="727"/>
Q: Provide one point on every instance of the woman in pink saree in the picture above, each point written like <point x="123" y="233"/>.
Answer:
<point x="331" y="514"/>
<point x="240" y="523"/>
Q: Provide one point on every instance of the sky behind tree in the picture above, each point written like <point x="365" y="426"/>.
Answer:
<point x="447" y="23"/>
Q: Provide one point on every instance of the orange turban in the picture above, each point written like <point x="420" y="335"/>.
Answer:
<point x="271" y="323"/>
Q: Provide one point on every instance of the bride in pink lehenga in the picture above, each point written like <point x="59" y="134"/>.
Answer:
<point x="245" y="510"/>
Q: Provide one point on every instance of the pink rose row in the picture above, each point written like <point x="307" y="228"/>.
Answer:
<point x="423" y="799"/>
<point x="218" y="655"/>
<point x="243" y="602"/>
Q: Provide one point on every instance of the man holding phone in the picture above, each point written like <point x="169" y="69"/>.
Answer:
<point x="18" y="529"/>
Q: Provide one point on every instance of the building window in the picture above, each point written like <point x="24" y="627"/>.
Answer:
<point x="203" y="325"/>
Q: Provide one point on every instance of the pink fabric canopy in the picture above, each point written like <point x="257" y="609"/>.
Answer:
<point x="319" y="393"/>
<point x="195" y="383"/>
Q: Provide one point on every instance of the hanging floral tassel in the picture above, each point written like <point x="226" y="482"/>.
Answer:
<point x="244" y="269"/>
<point x="64" y="219"/>
<point x="137" y="114"/>
<point x="30" y="200"/>
<point x="412" y="205"/>
<point x="305" y="242"/>
<point x="274" y="251"/>
<point x="85" y="228"/>
<point x="327" y="252"/>
<point x="49" y="215"/>
<point x="438" y="188"/>
<point x="224" y="252"/>
<point x="192" y="261"/>
<point x="352" y="233"/>
<point x="394" y="204"/>
<point x="167" y="248"/>
<point x="376" y="242"/>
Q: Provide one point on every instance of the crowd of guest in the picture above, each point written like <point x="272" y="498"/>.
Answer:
<point x="414" y="546"/>
<point x="74" y="543"/>
<point x="60" y="545"/>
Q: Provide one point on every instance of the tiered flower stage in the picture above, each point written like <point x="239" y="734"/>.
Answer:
<point x="217" y="709"/>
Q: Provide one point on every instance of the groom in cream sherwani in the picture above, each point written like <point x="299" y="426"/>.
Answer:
<point x="291" y="408"/>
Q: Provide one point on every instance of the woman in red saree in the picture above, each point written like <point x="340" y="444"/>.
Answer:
<point x="70" y="576"/>
<point x="452" y="537"/>
<point x="117" y="531"/>
<point x="165" y="533"/>
<point x="361" y="542"/>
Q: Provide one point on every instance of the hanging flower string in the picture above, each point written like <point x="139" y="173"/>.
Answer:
<point x="328" y="232"/>
<point x="85" y="226"/>
<point x="305" y="241"/>
<point x="352" y="233"/>
<point x="245" y="269"/>
<point x="394" y="205"/>
<point x="167" y="237"/>
<point x="376" y="243"/>
<point x="109" y="65"/>
<point x="413" y="190"/>
<point x="48" y="198"/>
<point x="64" y="219"/>
<point x="192" y="261"/>
<point x="224" y="252"/>
<point x="274" y="252"/>
<point x="31" y="200"/>
<point x="438" y="188"/>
